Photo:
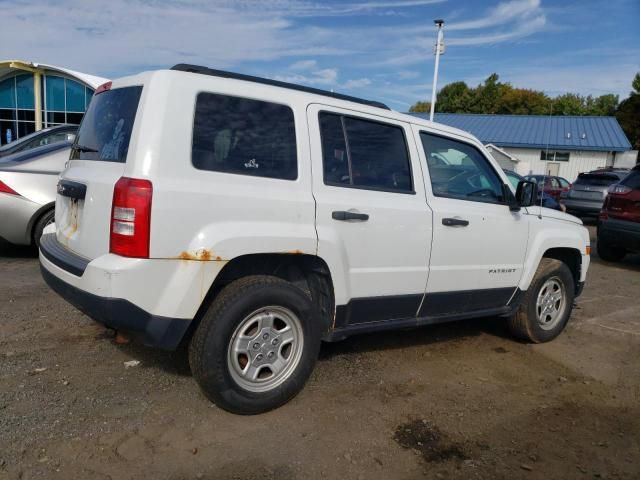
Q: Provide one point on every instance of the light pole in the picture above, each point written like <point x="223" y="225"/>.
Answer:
<point x="438" y="50"/>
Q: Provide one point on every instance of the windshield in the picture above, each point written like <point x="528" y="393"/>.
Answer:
<point x="106" y="128"/>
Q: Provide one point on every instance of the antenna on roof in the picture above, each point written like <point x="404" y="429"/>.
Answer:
<point x="437" y="50"/>
<point x="546" y="159"/>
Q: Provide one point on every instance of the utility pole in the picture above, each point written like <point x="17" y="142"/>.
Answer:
<point x="438" y="50"/>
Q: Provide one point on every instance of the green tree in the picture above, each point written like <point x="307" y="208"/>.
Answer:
<point x="421" y="107"/>
<point x="521" y="101"/>
<point x="569" y="104"/>
<point x="636" y="84"/>
<point x="486" y="96"/>
<point x="628" y="114"/>
<point x="603" y="105"/>
<point x="454" y="98"/>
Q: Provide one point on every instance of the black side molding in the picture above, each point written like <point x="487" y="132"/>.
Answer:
<point x="70" y="189"/>
<point x="70" y="262"/>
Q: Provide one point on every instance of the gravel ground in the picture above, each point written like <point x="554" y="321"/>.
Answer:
<point x="459" y="400"/>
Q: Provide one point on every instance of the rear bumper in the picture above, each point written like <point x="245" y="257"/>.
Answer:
<point x="620" y="233"/>
<point x="585" y="207"/>
<point x="15" y="214"/>
<point x="152" y="330"/>
<point x="154" y="300"/>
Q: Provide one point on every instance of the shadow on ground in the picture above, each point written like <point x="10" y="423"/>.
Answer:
<point x="8" y="250"/>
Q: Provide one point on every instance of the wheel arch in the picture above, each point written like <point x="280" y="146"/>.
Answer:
<point x="33" y="221"/>
<point x="310" y="273"/>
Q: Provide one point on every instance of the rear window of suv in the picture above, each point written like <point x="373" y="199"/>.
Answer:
<point x="244" y="136"/>
<point x="596" y="179"/>
<point x="105" y="130"/>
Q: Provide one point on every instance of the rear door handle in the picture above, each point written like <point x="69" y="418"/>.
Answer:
<point x="344" y="215"/>
<point x="454" y="222"/>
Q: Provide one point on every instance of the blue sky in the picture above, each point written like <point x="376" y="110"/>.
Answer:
<point x="378" y="49"/>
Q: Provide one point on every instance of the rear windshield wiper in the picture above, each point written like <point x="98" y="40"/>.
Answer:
<point x="82" y="148"/>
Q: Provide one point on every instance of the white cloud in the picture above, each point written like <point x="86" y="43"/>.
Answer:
<point x="500" y="14"/>
<point x="324" y="77"/>
<point x="357" y="83"/>
<point x="304" y="65"/>
<point x="521" y="30"/>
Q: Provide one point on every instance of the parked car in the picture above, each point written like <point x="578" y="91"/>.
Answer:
<point x="46" y="136"/>
<point x="254" y="218"/>
<point x="550" y="185"/>
<point x="587" y="194"/>
<point x="28" y="191"/>
<point x="547" y="200"/>
<point x="619" y="220"/>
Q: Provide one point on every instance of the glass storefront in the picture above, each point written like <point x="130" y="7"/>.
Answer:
<point x="63" y="101"/>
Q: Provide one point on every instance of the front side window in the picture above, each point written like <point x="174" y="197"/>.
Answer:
<point x="243" y="136"/>
<point x="459" y="170"/>
<point x="364" y="154"/>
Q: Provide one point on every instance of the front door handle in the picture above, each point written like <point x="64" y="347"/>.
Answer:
<point x="454" y="222"/>
<point x="344" y="215"/>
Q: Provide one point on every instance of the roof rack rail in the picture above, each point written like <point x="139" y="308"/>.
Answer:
<point x="185" y="67"/>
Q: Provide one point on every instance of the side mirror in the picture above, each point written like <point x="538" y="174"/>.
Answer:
<point x="509" y="198"/>
<point x="526" y="193"/>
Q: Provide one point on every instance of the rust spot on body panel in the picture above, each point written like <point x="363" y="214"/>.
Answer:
<point x="296" y="252"/>
<point x="202" y="255"/>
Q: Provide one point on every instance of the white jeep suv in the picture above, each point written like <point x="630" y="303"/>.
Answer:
<point x="254" y="219"/>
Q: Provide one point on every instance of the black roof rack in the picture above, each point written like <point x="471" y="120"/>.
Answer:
<point x="185" y="67"/>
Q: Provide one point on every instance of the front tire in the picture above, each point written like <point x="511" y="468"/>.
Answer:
<point x="547" y="304"/>
<point x="256" y="345"/>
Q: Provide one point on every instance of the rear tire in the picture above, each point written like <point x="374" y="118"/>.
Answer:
<point x="256" y="345"/>
<point x="609" y="253"/>
<point x="547" y="303"/>
<point x="47" y="218"/>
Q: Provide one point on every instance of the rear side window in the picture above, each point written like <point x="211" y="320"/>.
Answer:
<point x="365" y="154"/>
<point x="243" y="136"/>
<point x="106" y="128"/>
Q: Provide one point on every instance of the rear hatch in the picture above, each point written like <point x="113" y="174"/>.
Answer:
<point x="624" y="201"/>
<point x="592" y="186"/>
<point x="98" y="159"/>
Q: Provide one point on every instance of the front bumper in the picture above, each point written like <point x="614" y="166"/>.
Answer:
<point x="620" y="233"/>
<point x="16" y="213"/>
<point x="153" y="300"/>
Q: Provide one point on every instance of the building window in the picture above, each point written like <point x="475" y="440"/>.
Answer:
<point x="63" y="101"/>
<point x="553" y="156"/>
<point x="17" y="114"/>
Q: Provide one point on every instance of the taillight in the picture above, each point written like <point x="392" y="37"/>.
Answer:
<point x="4" y="188"/>
<point x="617" y="188"/>
<point x="131" y="218"/>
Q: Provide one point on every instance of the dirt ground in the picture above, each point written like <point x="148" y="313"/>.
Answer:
<point x="460" y="400"/>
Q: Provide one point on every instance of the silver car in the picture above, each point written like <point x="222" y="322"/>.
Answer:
<point x="586" y="195"/>
<point x="28" y="183"/>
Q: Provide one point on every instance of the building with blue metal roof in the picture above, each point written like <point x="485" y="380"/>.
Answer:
<point x="558" y="145"/>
